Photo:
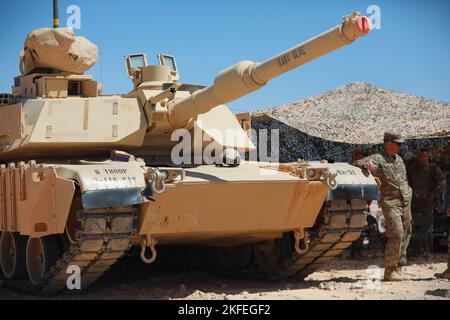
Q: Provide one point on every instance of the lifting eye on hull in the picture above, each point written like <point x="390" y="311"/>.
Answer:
<point x="230" y="158"/>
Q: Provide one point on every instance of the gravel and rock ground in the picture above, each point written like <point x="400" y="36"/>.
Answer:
<point x="344" y="279"/>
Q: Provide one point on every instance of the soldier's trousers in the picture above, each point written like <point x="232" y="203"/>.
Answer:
<point x="448" y="263"/>
<point x="422" y="234"/>
<point x="422" y="213"/>
<point x="398" y="231"/>
<point x="423" y="237"/>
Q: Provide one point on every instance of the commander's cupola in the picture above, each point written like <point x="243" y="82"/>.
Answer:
<point x="153" y="76"/>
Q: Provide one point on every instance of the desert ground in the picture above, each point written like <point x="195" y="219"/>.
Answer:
<point x="343" y="279"/>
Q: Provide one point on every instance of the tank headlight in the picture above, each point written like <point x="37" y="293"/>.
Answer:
<point x="311" y="173"/>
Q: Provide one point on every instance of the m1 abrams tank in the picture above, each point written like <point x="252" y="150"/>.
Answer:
<point x="85" y="177"/>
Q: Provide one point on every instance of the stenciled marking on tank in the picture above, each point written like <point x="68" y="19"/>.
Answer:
<point x="348" y="172"/>
<point x="286" y="58"/>
<point x="283" y="60"/>
<point x="113" y="171"/>
<point x="298" y="52"/>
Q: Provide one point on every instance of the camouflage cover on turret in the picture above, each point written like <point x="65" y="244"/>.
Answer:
<point x="57" y="49"/>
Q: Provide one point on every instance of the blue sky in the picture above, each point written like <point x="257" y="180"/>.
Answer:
<point x="411" y="52"/>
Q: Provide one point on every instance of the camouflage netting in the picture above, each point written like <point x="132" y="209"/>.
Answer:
<point x="332" y="125"/>
<point x="360" y="113"/>
<point x="57" y="49"/>
<point x="295" y="144"/>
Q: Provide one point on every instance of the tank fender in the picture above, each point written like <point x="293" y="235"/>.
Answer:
<point x="351" y="182"/>
<point x="108" y="184"/>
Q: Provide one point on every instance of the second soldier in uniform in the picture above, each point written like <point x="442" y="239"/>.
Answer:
<point x="426" y="181"/>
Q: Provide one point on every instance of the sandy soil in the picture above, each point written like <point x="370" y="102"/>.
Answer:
<point x="343" y="279"/>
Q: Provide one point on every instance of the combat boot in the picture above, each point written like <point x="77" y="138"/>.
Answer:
<point x="399" y="271"/>
<point x="446" y="274"/>
<point x="391" y="274"/>
<point x="402" y="262"/>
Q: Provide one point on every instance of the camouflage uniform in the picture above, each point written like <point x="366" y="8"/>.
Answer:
<point x="445" y="164"/>
<point x="395" y="201"/>
<point x="445" y="156"/>
<point x="427" y="184"/>
<point x="446" y="273"/>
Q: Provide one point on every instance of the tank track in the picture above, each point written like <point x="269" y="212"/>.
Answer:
<point x="342" y="224"/>
<point x="339" y="224"/>
<point x="101" y="238"/>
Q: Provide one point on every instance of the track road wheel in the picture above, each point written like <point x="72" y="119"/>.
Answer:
<point x="41" y="255"/>
<point x="72" y="224"/>
<point x="287" y="246"/>
<point x="197" y="257"/>
<point x="234" y="258"/>
<point x="172" y="257"/>
<point x="12" y="255"/>
<point x="267" y="254"/>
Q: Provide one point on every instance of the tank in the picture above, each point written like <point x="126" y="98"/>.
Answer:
<point x="86" y="178"/>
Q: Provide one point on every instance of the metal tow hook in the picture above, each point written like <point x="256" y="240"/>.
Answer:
<point x="303" y="237"/>
<point x="158" y="178"/>
<point x="330" y="179"/>
<point x="144" y="245"/>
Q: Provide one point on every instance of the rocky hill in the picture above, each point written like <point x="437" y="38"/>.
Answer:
<point x="359" y="113"/>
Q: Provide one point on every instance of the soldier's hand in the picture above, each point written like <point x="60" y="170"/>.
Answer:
<point x="430" y="199"/>
<point x="369" y="166"/>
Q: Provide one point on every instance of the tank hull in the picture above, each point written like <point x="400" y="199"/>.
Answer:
<point x="232" y="206"/>
<point x="99" y="210"/>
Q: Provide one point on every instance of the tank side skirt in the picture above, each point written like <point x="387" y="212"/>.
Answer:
<point x="103" y="236"/>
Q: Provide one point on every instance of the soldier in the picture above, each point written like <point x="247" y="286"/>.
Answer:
<point x="445" y="163"/>
<point x="446" y="273"/>
<point x="395" y="202"/>
<point x="426" y="181"/>
<point x="357" y="154"/>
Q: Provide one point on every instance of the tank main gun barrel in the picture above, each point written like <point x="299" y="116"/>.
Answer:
<point x="247" y="76"/>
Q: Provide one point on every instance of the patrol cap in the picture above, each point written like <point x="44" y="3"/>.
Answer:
<point x="357" y="151"/>
<point x="395" y="137"/>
